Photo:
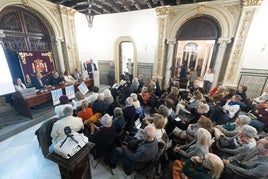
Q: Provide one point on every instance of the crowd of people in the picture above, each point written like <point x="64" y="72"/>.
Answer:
<point x="192" y="132"/>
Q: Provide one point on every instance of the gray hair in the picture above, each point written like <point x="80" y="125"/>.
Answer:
<point x="244" y="119"/>
<point x="107" y="93"/>
<point x="106" y="120"/>
<point x="129" y="101"/>
<point x="134" y="96"/>
<point x="249" y="131"/>
<point x="162" y="109"/>
<point x="118" y="112"/>
<point x="204" y="107"/>
<point x="68" y="111"/>
<point x="149" y="131"/>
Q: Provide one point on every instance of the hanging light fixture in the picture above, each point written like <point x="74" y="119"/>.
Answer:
<point x="90" y="15"/>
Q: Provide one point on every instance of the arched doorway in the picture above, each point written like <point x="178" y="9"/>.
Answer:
<point x="125" y="54"/>
<point x="196" y="45"/>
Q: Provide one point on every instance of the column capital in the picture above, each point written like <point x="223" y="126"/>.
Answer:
<point x="224" y="40"/>
<point x="252" y="2"/>
<point x="2" y="35"/>
<point x="171" y="41"/>
<point x="57" y="39"/>
<point x="163" y="10"/>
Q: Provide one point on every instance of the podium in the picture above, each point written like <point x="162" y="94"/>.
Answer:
<point x="77" y="167"/>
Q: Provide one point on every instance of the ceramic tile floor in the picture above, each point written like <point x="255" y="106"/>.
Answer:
<point x="21" y="157"/>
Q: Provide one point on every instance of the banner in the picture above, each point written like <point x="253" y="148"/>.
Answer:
<point x="33" y="62"/>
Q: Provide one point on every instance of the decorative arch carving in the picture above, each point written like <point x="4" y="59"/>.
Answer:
<point x="201" y="28"/>
<point x="23" y="30"/>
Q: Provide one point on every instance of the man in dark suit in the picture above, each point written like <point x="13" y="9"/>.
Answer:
<point x="91" y="67"/>
<point x="39" y="82"/>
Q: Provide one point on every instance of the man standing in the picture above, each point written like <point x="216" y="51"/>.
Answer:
<point x="91" y="67"/>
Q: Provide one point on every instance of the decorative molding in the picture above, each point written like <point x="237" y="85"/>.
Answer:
<point x="67" y="11"/>
<point x="252" y="2"/>
<point x="171" y="41"/>
<point x="161" y="43"/>
<point x="233" y="9"/>
<point x="164" y="10"/>
<point x="54" y="11"/>
<point x="26" y="2"/>
<point x="201" y="9"/>
<point x="238" y="47"/>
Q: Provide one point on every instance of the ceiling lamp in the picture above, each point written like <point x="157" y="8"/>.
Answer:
<point x="90" y="14"/>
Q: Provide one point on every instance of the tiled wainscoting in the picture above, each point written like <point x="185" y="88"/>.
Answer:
<point x="256" y="80"/>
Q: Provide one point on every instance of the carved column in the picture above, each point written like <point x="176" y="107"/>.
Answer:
<point x="219" y="59"/>
<point x="58" y="41"/>
<point x="235" y="61"/>
<point x="169" y="59"/>
<point x="161" y="13"/>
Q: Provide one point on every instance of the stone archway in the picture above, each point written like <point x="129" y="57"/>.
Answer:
<point x="117" y="60"/>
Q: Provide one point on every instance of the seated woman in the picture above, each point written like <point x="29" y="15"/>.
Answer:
<point x="240" y="143"/>
<point x="230" y="109"/>
<point x="19" y="85"/>
<point x="108" y="98"/>
<point x="262" y="98"/>
<point x="138" y="108"/>
<point x="118" y="120"/>
<point x="67" y="77"/>
<point x="225" y="130"/>
<point x="187" y="106"/>
<point x="102" y="136"/>
<point x="86" y="111"/>
<point x="192" y="129"/>
<point x="198" y="147"/>
<point x="77" y="102"/>
<point x="144" y="96"/>
<point x="262" y="117"/>
<point x="209" y="166"/>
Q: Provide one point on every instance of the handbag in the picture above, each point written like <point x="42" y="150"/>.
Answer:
<point x="70" y="145"/>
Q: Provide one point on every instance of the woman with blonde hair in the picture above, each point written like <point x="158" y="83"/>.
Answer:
<point x="209" y="166"/>
<point x="86" y="112"/>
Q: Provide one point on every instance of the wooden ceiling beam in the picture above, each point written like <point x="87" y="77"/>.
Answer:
<point x="150" y="3"/>
<point x="111" y="5"/>
<point x="126" y="6"/>
<point x="137" y="4"/>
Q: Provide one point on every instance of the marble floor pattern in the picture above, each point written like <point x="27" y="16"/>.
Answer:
<point x="21" y="157"/>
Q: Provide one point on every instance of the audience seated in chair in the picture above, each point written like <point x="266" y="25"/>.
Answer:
<point x="75" y="123"/>
<point x="252" y="163"/>
<point x="86" y="111"/>
<point x="99" y="106"/>
<point x="118" y="120"/>
<point x="145" y="152"/>
<point x="63" y="103"/>
<point x="102" y="136"/>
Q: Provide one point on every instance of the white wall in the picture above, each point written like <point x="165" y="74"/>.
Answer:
<point x="256" y="47"/>
<point x="98" y="42"/>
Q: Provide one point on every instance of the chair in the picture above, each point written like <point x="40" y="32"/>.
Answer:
<point x="151" y="168"/>
<point x="105" y="155"/>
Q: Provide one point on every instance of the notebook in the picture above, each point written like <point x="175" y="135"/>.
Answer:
<point x="28" y="92"/>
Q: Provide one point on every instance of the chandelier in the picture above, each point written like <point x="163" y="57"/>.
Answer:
<point x="90" y="15"/>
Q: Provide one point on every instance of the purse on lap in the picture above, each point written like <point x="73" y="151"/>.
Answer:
<point x="70" y="145"/>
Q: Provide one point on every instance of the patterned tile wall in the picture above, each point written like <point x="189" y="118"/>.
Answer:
<point x="146" y="69"/>
<point x="255" y="80"/>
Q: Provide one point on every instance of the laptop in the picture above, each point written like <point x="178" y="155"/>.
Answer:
<point x="28" y="92"/>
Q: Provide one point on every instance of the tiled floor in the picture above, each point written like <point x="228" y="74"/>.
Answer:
<point x="21" y="157"/>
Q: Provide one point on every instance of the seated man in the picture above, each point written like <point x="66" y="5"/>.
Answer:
<point x="55" y="79"/>
<point x="250" y="164"/>
<point x="38" y="81"/>
<point x="145" y="152"/>
<point x="75" y="123"/>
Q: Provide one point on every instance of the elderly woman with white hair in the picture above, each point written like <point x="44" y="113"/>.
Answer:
<point x="108" y="98"/>
<point x="102" y="136"/>
<point x="138" y="108"/>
